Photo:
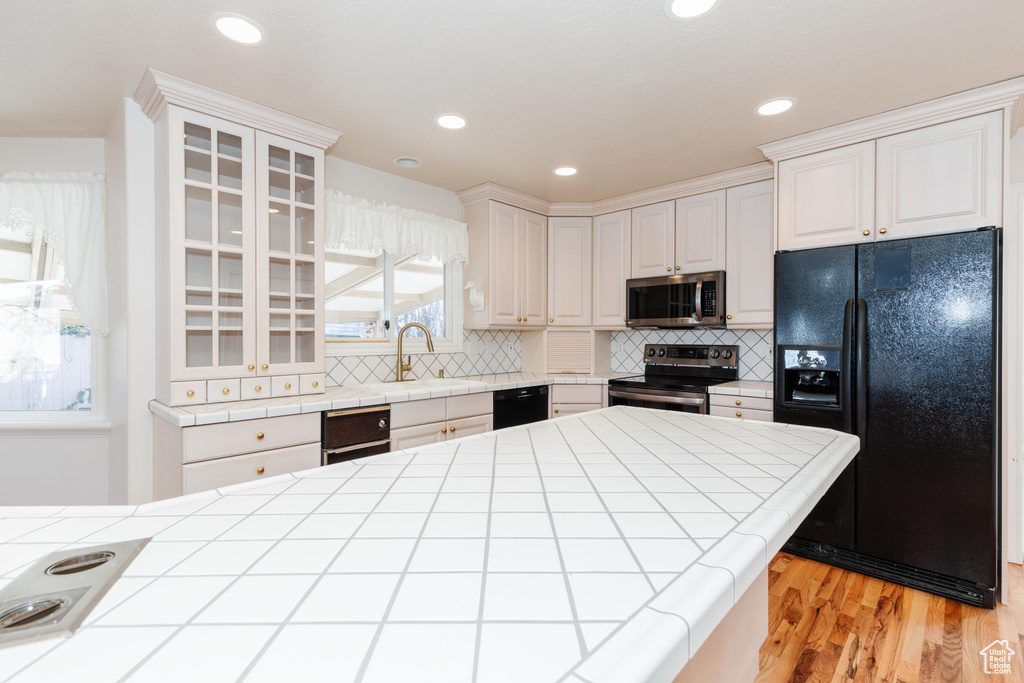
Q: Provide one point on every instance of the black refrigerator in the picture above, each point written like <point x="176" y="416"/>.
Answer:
<point x="898" y="343"/>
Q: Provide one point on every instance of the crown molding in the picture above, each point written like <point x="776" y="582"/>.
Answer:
<point x="715" y="181"/>
<point x="1017" y="115"/>
<point x="961" y="105"/>
<point x="158" y="89"/>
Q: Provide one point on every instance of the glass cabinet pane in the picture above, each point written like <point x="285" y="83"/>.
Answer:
<point x="229" y="173"/>
<point x="280" y="346"/>
<point x="305" y="231"/>
<point x="280" y="227"/>
<point x="305" y="277"/>
<point x="304" y="190"/>
<point x="197" y="136"/>
<point x="198" y="269"/>
<point x="229" y="145"/>
<point x="229" y="349"/>
<point x="197" y="166"/>
<point x="230" y="272"/>
<point x="304" y="349"/>
<point x="199" y="214"/>
<point x="229" y="219"/>
<point x="198" y="348"/>
<point x="280" y="184"/>
<point x="280" y="159"/>
<point x="280" y="277"/>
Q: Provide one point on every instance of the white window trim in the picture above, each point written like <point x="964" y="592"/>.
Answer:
<point x="452" y="343"/>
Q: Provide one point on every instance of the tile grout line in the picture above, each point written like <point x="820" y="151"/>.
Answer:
<point x="487" y="550"/>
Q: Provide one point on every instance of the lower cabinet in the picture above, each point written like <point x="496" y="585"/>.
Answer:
<point x="419" y="423"/>
<point x="193" y="459"/>
<point x="742" y="407"/>
<point x="571" y="399"/>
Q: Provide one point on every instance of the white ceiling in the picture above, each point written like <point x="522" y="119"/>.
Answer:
<point x="610" y="86"/>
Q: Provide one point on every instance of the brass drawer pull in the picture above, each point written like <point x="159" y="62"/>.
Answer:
<point x="251" y="367"/>
<point x="260" y="470"/>
<point x="287" y="385"/>
<point x="190" y="393"/>
<point x="444" y="430"/>
<point x="882" y="231"/>
<point x="265" y="366"/>
<point x="316" y="384"/>
<point x="867" y="232"/>
<point x="453" y="430"/>
<point x="259" y="435"/>
<point x="739" y="402"/>
<point x="739" y="414"/>
<point x="226" y="390"/>
<point x="259" y="388"/>
<point x="556" y="410"/>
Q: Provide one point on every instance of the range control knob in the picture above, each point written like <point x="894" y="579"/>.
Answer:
<point x="726" y="354"/>
<point x="650" y="352"/>
<point x="661" y="353"/>
<point x="715" y="353"/>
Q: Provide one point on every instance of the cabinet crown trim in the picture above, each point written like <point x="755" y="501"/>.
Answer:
<point x="679" y="190"/>
<point x="961" y="105"/>
<point x="158" y="89"/>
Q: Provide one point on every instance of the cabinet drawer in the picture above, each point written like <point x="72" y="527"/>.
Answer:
<point x="284" y="385"/>
<point x="214" y="474"/>
<point x="180" y="395"/>
<point x="311" y="384"/>
<point x="741" y="402"/>
<point x="230" y="438"/>
<point x="744" y="413"/>
<point x="468" y="405"/>
<point x="577" y="393"/>
<point x="255" y="387"/>
<point x="411" y="413"/>
<point x="220" y="390"/>
<point x="563" y="409"/>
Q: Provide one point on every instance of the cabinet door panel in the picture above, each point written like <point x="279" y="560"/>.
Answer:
<point x="569" y="264"/>
<point x="422" y="435"/>
<point x="504" y="257"/>
<point x="469" y="426"/>
<point x="611" y="268"/>
<point x="749" y="283"/>
<point x="653" y="240"/>
<point x="827" y="198"/>
<point x="942" y="178"/>
<point x="533" y="270"/>
<point x="214" y="474"/>
<point x="700" y="232"/>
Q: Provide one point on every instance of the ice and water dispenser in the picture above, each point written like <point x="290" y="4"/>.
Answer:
<point x="811" y="376"/>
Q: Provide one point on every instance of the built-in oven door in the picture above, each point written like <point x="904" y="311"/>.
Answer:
<point x="681" y="402"/>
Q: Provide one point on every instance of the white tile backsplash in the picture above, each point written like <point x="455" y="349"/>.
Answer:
<point x="755" y="348"/>
<point x="484" y="352"/>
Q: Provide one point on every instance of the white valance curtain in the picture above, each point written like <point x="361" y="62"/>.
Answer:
<point x="68" y="209"/>
<point x="363" y="225"/>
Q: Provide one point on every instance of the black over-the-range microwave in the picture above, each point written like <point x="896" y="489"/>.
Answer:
<point x="673" y="301"/>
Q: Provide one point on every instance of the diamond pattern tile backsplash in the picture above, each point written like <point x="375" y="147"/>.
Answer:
<point x="485" y="352"/>
<point x="755" y="348"/>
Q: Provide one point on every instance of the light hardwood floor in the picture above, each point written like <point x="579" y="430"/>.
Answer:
<point x="830" y="625"/>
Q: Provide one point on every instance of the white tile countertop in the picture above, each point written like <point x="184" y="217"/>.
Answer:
<point x="337" y="398"/>
<point x="554" y="551"/>
<point x="744" y="388"/>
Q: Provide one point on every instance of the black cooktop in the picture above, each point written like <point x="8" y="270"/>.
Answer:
<point x="667" y="383"/>
<point x="678" y="367"/>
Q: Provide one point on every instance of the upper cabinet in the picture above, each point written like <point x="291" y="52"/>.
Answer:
<point x="749" y="258"/>
<point x="612" y="238"/>
<point x="653" y="245"/>
<point x="700" y="233"/>
<point x="827" y="198"/>
<point x="508" y="261"/>
<point x="942" y="178"/>
<point x="569" y="271"/>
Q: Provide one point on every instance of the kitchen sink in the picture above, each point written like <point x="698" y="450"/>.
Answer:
<point x="416" y="384"/>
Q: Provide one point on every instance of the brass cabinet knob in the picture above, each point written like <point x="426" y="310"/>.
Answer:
<point x="316" y="384"/>
<point x="444" y="430"/>
<point x="287" y="385"/>
<point x="190" y="393"/>
<point x="677" y="267"/>
<point x="739" y="402"/>
<point x="623" y="320"/>
<point x="259" y="435"/>
<point x="728" y="317"/>
<point x="669" y="269"/>
<point x="259" y="388"/>
<point x="556" y="410"/>
<point x="251" y="367"/>
<point x="739" y="414"/>
<point x="519" y="319"/>
<point x="453" y="430"/>
<point x="260" y="470"/>
<point x="226" y="390"/>
<point x="882" y="231"/>
<point x="551" y="320"/>
<point x="525" y="319"/>
<point x="867" y="232"/>
<point x="265" y="366"/>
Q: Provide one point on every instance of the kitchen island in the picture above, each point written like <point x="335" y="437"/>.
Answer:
<point x="609" y="546"/>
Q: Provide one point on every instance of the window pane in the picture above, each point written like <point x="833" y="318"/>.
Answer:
<point x="45" y="351"/>
<point x="419" y="296"/>
<point x="354" y="294"/>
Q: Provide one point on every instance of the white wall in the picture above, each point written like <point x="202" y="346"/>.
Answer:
<point x="368" y="183"/>
<point x="42" y="465"/>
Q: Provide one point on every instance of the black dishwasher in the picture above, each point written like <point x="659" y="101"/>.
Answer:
<point x="520" y="406"/>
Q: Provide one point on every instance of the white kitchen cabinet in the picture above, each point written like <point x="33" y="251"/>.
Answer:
<point x="611" y="269"/>
<point x="468" y="426"/>
<point x="653" y="240"/>
<point x="572" y="399"/>
<point x="744" y="407"/>
<point x="700" y="233"/>
<point x="419" y="435"/>
<point x="439" y="419"/>
<point x="570" y="261"/>
<point x="827" y="198"/>
<point x="750" y="257"/>
<point x="941" y="178"/>
<point x="508" y="261"/>
<point x="214" y="474"/>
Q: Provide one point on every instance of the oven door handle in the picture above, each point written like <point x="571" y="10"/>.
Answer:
<point x="356" y="447"/>
<point x="698" y="306"/>
<point x="656" y="398"/>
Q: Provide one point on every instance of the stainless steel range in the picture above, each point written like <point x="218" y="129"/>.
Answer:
<point x="676" y="377"/>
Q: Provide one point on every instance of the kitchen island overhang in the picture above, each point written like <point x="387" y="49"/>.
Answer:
<point x="617" y="545"/>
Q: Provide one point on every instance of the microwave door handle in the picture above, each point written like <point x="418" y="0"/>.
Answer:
<point x="698" y="312"/>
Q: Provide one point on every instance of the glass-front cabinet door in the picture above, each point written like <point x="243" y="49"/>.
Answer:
<point x="213" y="231"/>
<point x="290" y="245"/>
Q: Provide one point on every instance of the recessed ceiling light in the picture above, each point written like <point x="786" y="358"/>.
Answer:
<point x="451" y="121"/>
<point x="239" y="29"/>
<point x="408" y="162"/>
<point x="688" y="10"/>
<point x="565" y="170"/>
<point x="775" y="106"/>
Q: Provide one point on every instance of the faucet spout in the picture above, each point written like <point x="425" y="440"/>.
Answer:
<point x="402" y="368"/>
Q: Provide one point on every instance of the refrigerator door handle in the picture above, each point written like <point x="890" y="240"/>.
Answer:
<point x="861" y="360"/>
<point x="846" y="384"/>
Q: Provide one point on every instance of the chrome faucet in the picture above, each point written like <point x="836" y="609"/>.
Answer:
<point x="403" y="368"/>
